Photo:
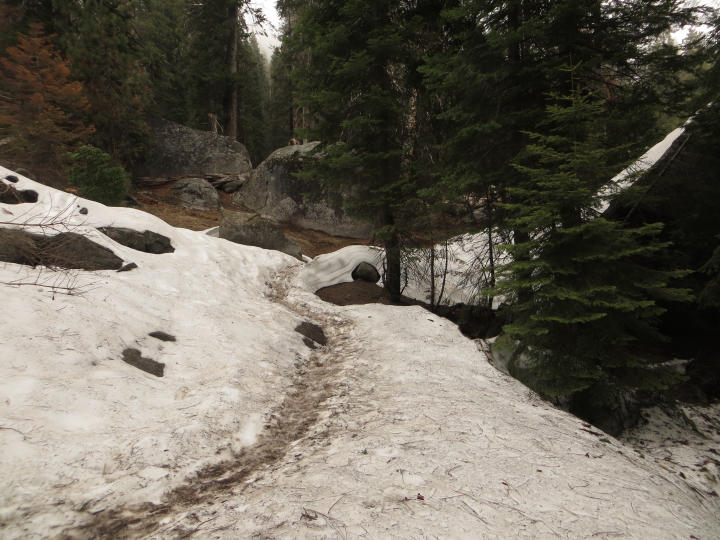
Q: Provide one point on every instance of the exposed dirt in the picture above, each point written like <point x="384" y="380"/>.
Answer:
<point x="159" y="201"/>
<point x="313" y="382"/>
<point x="354" y="293"/>
<point x="314" y="243"/>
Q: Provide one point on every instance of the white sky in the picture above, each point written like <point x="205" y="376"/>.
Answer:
<point x="270" y="41"/>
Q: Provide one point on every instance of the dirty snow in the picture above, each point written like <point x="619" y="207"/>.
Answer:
<point x="399" y="427"/>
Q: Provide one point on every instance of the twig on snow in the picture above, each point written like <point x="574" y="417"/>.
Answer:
<point x="16" y="430"/>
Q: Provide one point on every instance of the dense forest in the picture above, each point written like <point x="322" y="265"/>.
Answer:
<point x="513" y="112"/>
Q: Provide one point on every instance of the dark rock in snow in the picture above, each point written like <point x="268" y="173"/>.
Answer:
<point x="10" y="195"/>
<point x="254" y="230"/>
<point x="12" y="178"/>
<point x="128" y="267"/>
<point x="310" y="343"/>
<point x="64" y="250"/>
<point x="83" y="211"/>
<point x="146" y="241"/>
<point x="196" y="193"/>
<point x="162" y="336"/>
<point x="311" y="332"/>
<point x="273" y="190"/>
<point x="72" y="250"/>
<point x="366" y="272"/>
<point x="18" y="247"/>
<point x="135" y="359"/>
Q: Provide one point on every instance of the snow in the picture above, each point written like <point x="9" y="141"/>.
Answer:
<point x="333" y="268"/>
<point x="398" y="428"/>
<point x="466" y="254"/>
<point x="627" y="177"/>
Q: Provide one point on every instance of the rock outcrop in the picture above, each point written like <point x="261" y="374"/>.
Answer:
<point x="274" y="191"/>
<point x="181" y="151"/>
<point x="196" y="193"/>
<point x="255" y="230"/>
<point x="64" y="250"/>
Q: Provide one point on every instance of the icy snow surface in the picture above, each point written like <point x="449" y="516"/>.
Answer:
<point x="398" y="428"/>
<point x="627" y="177"/>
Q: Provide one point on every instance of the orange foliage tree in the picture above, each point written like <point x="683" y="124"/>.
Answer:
<point x="41" y="109"/>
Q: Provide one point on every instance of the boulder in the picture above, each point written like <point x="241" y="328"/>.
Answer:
<point x="146" y="241"/>
<point x="18" y="247"/>
<point x="72" y="250"/>
<point x="366" y="272"/>
<point x="313" y="335"/>
<point x="255" y="230"/>
<point x="196" y="193"/>
<point x="177" y="150"/>
<point x="10" y="195"/>
<point x="273" y="190"/>
<point x="64" y="250"/>
<point x="234" y="185"/>
<point x="148" y="365"/>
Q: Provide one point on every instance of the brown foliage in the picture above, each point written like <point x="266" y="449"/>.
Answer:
<point x="41" y="109"/>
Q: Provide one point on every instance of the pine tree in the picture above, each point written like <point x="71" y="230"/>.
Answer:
<point x="42" y="110"/>
<point x="590" y="302"/>
<point x="280" y="100"/>
<point x="356" y="81"/>
<point x="253" y="92"/>
<point x="213" y="28"/>
<point x="163" y="32"/>
<point x="106" y="57"/>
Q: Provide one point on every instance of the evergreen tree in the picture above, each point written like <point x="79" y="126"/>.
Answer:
<point x="42" y="110"/>
<point x="253" y="92"/>
<point x="213" y="25"/>
<point x="356" y="77"/>
<point x="96" y="178"/>
<point x="106" y="57"/>
<point x="280" y="100"/>
<point x="590" y="302"/>
<point x="163" y="33"/>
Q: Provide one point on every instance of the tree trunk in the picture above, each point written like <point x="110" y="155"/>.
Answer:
<point x="432" y="274"/>
<point x="232" y="127"/>
<point x="392" y="255"/>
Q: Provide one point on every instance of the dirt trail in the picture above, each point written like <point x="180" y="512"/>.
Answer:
<point x="312" y="383"/>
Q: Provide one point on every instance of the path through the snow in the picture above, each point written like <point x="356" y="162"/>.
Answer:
<point x="312" y="383"/>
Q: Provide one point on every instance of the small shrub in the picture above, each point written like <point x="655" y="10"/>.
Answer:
<point x="95" y="177"/>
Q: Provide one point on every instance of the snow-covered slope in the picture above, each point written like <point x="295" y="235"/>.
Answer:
<point x="398" y="427"/>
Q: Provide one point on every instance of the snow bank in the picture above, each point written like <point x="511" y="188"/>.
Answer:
<point x="77" y="424"/>
<point x="336" y="267"/>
